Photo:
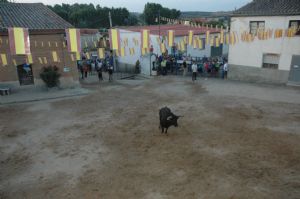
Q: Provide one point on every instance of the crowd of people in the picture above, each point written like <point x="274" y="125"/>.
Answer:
<point x="206" y="67"/>
<point x="95" y="65"/>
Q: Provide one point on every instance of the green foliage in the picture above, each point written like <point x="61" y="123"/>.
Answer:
<point x="151" y="11"/>
<point x="50" y="76"/>
<point x="90" y="16"/>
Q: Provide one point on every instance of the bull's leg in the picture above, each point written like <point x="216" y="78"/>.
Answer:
<point x="166" y="132"/>
<point x="162" y="129"/>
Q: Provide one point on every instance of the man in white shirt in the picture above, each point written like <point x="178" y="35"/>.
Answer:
<point x="194" y="70"/>
<point x="225" y="68"/>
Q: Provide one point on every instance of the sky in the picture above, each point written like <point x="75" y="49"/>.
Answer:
<point x="138" y="5"/>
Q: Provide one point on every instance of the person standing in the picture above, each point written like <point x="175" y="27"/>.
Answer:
<point x="194" y="70"/>
<point x="111" y="67"/>
<point x="184" y="68"/>
<point x="99" y="70"/>
<point x="225" y="68"/>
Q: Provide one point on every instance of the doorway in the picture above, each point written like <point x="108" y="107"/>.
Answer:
<point x="25" y="74"/>
<point x="294" y="76"/>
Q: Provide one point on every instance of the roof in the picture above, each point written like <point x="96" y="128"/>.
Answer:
<point x="34" y="16"/>
<point x="269" y="8"/>
<point x="180" y="30"/>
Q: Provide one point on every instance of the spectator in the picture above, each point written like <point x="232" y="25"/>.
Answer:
<point x="225" y="68"/>
<point x="194" y="70"/>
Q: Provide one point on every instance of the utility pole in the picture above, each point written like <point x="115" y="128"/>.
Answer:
<point x="110" y="21"/>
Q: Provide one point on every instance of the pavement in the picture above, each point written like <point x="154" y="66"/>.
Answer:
<point x="38" y="94"/>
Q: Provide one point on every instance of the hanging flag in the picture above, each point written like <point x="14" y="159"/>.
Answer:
<point x="45" y="60"/>
<point x="117" y="53"/>
<point x="195" y="43"/>
<point x="145" y="39"/>
<point x="162" y="48"/>
<point x="170" y="38"/>
<point x="14" y="62"/>
<point x="72" y="57"/>
<point x="54" y="56"/>
<point x="42" y="44"/>
<point x="212" y="41"/>
<point x="114" y="36"/>
<point x="73" y="40"/>
<point x="222" y="36"/>
<point x="3" y="59"/>
<point x="227" y="38"/>
<point x="185" y="39"/>
<point x="232" y="38"/>
<point x="78" y="57"/>
<point x="217" y="42"/>
<point x="87" y="55"/>
<point x="40" y="60"/>
<point x="207" y="37"/>
<point x="29" y="59"/>
<point x="101" y="53"/>
<point x="182" y="45"/>
<point x="191" y="35"/>
<point x="200" y="44"/>
<point x="56" y="44"/>
<point x="123" y="52"/>
<point x="49" y="43"/>
<point x="144" y="51"/>
<point x="19" y="41"/>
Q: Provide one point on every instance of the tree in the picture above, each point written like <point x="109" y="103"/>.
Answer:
<point x="152" y="10"/>
<point x="90" y="16"/>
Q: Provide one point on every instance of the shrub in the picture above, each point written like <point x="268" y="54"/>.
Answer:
<point x="50" y="76"/>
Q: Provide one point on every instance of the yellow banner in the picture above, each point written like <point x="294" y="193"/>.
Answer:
<point x="182" y="44"/>
<point x="19" y="40"/>
<point x="145" y="41"/>
<point x="101" y="53"/>
<point x="222" y="36"/>
<point x="123" y="52"/>
<point x="54" y="56"/>
<point x="78" y="57"/>
<point x="45" y="60"/>
<point x="73" y="40"/>
<point x="207" y="37"/>
<point x="3" y="59"/>
<point x="191" y="35"/>
<point x="29" y="58"/>
<point x="40" y="60"/>
<point x="170" y="38"/>
<point x="114" y="39"/>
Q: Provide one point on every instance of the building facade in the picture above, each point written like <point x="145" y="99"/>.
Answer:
<point x="47" y="36"/>
<point x="274" y="60"/>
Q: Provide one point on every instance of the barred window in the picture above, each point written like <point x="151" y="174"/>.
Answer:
<point x="270" y="61"/>
<point x="255" y="26"/>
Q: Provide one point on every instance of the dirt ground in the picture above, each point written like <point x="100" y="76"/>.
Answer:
<point x="236" y="140"/>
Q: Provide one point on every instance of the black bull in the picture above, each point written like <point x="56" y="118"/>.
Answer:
<point x="167" y="119"/>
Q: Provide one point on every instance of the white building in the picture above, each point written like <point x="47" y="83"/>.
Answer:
<point x="134" y="33"/>
<point x="275" y="60"/>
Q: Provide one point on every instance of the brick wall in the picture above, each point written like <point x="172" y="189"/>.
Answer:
<point x="41" y="47"/>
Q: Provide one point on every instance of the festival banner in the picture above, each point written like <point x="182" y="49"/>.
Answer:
<point x="40" y="60"/>
<point x="191" y="35"/>
<point x="194" y="43"/>
<point x="73" y="40"/>
<point x="170" y="38"/>
<point x="3" y="59"/>
<point x="45" y="60"/>
<point x="78" y="57"/>
<point x="145" y="39"/>
<point x="162" y="48"/>
<point x="123" y="52"/>
<point x="29" y="59"/>
<point x="207" y="37"/>
<point x="19" y="41"/>
<point x="217" y="42"/>
<point x="200" y="44"/>
<point x="101" y="53"/>
<point x="182" y="45"/>
<point x="49" y="43"/>
<point x="54" y="56"/>
<point x="222" y="36"/>
<point x="114" y="36"/>
<point x="212" y="41"/>
<point x="278" y="33"/>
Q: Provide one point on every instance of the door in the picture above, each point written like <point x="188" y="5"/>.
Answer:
<point x="25" y="74"/>
<point x="295" y="70"/>
<point x="216" y="51"/>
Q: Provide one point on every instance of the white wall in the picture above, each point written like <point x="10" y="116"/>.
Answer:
<point x="251" y="53"/>
<point x="144" y="60"/>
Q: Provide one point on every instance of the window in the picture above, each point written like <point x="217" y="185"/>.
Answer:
<point x="270" y="61"/>
<point x="295" y="24"/>
<point x="255" y="26"/>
